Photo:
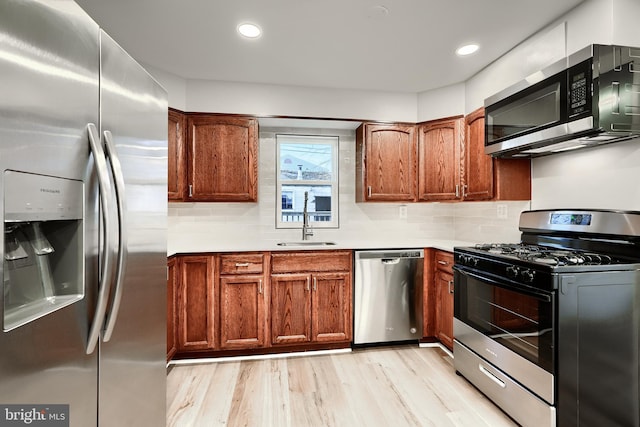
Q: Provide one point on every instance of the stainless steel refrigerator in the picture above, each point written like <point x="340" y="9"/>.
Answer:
<point x="83" y="167"/>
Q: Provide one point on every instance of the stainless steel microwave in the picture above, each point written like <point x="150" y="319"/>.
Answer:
<point x="589" y="98"/>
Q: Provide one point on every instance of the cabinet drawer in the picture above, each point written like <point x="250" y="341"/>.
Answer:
<point x="444" y="261"/>
<point x="241" y="263"/>
<point x="311" y="261"/>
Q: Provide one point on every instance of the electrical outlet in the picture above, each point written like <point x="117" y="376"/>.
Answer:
<point x="502" y="211"/>
<point x="403" y="212"/>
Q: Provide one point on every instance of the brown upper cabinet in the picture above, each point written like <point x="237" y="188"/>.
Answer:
<point x="222" y="158"/>
<point x="386" y="163"/>
<point x="177" y="171"/>
<point x="440" y="144"/>
<point x="219" y="160"/>
<point x="453" y="165"/>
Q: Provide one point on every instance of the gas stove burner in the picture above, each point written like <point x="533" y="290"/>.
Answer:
<point x="546" y="255"/>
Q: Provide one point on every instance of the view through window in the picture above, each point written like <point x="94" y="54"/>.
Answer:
<point x="307" y="164"/>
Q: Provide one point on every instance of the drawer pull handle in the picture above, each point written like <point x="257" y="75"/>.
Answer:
<point x="492" y="377"/>
<point x="442" y="262"/>
<point x="242" y="264"/>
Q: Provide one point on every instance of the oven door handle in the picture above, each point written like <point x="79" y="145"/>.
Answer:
<point x="489" y="278"/>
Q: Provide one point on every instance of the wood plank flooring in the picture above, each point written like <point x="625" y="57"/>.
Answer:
<point x="384" y="386"/>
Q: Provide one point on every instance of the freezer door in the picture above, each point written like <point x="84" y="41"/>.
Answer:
<point x="49" y="56"/>
<point x="134" y="128"/>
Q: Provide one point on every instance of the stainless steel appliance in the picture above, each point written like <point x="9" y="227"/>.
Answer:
<point x="388" y="296"/>
<point x="590" y="98"/>
<point x="548" y="328"/>
<point x="83" y="150"/>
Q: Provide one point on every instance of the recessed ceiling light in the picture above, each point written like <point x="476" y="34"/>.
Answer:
<point x="467" y="49"/>
<point x="251" y="31"/>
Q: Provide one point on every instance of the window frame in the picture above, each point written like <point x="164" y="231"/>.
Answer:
<point x="290" y="138"/>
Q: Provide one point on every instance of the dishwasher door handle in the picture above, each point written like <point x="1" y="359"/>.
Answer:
<point x="390" y="261"/>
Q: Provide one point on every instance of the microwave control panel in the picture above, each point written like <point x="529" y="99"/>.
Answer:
<point x="579" y="88"/>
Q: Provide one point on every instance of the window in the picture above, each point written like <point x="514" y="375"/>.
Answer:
<point x="308" y="165"/>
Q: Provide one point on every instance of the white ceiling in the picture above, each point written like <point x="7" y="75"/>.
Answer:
<point x="346" y="44"/>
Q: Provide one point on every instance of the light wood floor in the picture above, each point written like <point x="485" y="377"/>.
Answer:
<point x="384" y="386"/>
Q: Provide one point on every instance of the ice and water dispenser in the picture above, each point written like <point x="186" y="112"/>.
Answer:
<point x="43" y="246"/>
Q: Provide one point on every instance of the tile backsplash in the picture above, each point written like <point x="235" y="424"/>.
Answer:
<point x="196" y="224"/>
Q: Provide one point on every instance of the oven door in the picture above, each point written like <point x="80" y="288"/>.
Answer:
<point x="509" y="325"/>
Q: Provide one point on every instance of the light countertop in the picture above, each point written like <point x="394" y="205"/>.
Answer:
<point x="272" y="246"/>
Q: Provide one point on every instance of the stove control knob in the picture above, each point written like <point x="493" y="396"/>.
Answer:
<point x="512" y="271"/>
<point x="528" y="276"/>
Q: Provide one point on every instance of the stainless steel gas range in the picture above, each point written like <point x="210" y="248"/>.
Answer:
<point x="549" y="328"/>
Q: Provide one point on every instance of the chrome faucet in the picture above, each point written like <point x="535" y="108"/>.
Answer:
<point x="307" y="231"/>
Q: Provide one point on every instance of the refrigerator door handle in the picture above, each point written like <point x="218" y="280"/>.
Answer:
<point x="104" y="185"/>
<point x="121" y="265"/>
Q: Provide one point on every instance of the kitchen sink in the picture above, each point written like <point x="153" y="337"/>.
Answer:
<point x="306" y="243"/>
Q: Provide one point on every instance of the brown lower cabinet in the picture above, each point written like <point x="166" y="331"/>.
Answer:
<point x="444" y="297"/>
<point x="195" y="307"/>
<point x="311" y="297"/>
<point x="261" y="302"/>
<point x="172" y="281"/>
<point x="310" y="307"/>
<point x="243" y="300"/>
<point x="438" y="297"/>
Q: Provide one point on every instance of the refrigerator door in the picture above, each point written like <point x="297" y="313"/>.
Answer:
<point x="134" y="129"/>
<point x="49" y="56"/>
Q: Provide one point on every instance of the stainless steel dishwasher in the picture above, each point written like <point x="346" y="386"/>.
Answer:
<point x="388" y="296"/>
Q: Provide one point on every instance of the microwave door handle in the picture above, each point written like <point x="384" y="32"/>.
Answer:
<point x="104" y="185"/>
<point x="615" y="94"/>
<point x="121" y="265"/>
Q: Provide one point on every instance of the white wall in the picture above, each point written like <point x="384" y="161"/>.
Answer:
<point x="605" y="177"/>
<point x="443" y="102"/>
<point x="276" y="100"/>
<point x="534" y="54"/>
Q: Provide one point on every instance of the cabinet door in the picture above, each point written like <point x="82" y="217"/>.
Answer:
<point x="478" y="166"/>
<point x="176" y="155"/>
<point x="172" y="282"/>
<point x="196" y="315"/>
<point x="439" y="146"/>
<point x="290" y="308"/>
<point x="223" y="163"/>
<point x="331" y="307"/>
<point x="242" y="312"/>
<point x="390" y="162"/>
<point x="444" y="309"/>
